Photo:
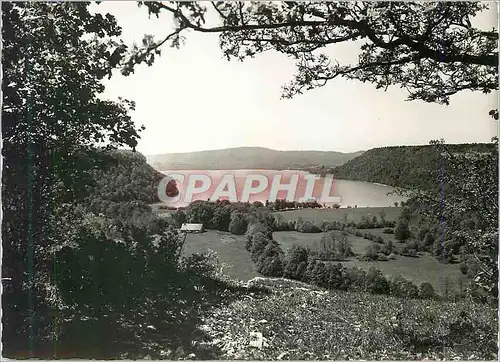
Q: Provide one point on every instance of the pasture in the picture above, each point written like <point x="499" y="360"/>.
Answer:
<point x="352" y="214"/>
<point x="424" y="268"/>
<point x="289" y="238"/>
<point x="229" y="248"/>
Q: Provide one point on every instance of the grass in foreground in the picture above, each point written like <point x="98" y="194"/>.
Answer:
<point x="300" y="322"/>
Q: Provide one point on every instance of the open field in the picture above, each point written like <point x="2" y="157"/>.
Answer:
<point x="229" y="248"/>
<point x="425" y="268"/>
<point x="353" y="214"/>
<point x="289" y="238"/>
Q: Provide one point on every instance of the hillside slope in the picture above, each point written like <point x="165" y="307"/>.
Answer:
<point x="402" y="166"/>
<point x="301" y="322"/>
<point x="248" y="158"/>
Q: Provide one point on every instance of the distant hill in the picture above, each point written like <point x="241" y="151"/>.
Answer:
<point x="248" y="158"/>
<point x="402" y="166"/>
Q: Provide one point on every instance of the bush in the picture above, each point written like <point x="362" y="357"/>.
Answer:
<point x="301" y="271"/>
<point x="335" y="276"/>
<point x="387" y="248"/>
<point x="426" y="291"/>
<point x="370" y="253"/>
<point x="356" y="278"/>
<point x="296" y="256"/>
<point x="254" y="229"/>
<point x="402" y="230"/>
<point x="238" y="224"/>
<point x="388" y="231"/>
<point x="308" y="227"/>
<point x="179" y="217"/>
<point x="382" y="257"/>
<point x="259" y="243"/>
<point x="115" y="286"/>
<point x="270" y="262"/>
<point x="401" y="287"/>
<point x="376" y="283"/>
<point x="319" y="275"/>
<point x="221" y="219"/>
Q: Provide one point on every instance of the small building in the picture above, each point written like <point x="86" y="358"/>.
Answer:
<point x="192" y="228"/>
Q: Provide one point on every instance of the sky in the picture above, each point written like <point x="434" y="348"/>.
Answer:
<point x="192" y="99"/>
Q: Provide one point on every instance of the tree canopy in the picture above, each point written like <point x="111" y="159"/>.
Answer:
<point x="430" y="49"/>
<point x="53" y="125"/>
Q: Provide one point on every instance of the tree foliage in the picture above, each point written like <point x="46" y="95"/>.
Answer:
<point x="430" y="49"/>
<point x="464" y="209"/>
<point x="54" y="126"/>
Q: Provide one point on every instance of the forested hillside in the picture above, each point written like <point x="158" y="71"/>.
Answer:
<point x="130" y="178"/>
<point x="403" y="166"/>
<point x="123" y="190"/>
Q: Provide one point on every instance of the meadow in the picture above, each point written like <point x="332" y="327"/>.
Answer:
<point x="352" y="214"/>
<point x="423" y="268"/>
<point x="230" y="250"/>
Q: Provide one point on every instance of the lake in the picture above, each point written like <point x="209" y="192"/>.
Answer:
<point x="242" y="185"/>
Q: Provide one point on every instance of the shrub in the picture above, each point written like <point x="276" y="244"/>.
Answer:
<point x="270" y="262"/>
<point x="429" y="239"/>
<point x="319" y="275"/>
<point x="179" y="217"/>
<point x="296" y="255"/>
<point x="426" y="291"/>
<point x="382" y="257"/>
<point x="309" y="272"/>
<point x="253" y="229"/>
<point x="408" y="252"/>
<point x="301" y="271"/>
<point x="356" y="278"/>
<point x="221" y="219"/>
<point x="259" y="243"/>
<point x="388" y="247"/>
<point x="238" y="224"/>
<point x="402" y="231"/>
<point x="344" y="248"/>
<point x="371" y="252"/>
<point x="376" y="283"/>
<point x="308" y="227"/>
<point x="401" y="287"/>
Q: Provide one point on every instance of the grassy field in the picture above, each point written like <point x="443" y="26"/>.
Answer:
<point x="229" y="248"/>
<point x="353" y="214"/>
<point x="289" y="238"/>
<point x="425" y="268"/>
